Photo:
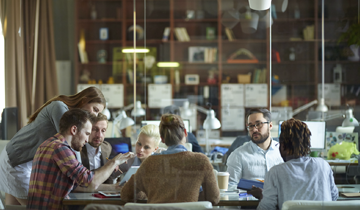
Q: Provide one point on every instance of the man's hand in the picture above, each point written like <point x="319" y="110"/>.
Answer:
<point x="256" y="192"/>
<point x="122" y="158"/>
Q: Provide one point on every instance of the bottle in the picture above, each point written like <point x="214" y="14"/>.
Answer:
<point x="93" y="12"/>
<point x="296" y="12"/>
<point x="292" y="54"/>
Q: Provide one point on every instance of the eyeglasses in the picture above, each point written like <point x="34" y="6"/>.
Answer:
<point x="257" y="125"/>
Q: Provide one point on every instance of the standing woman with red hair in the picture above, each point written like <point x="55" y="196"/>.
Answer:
<point x="16" y="158"/>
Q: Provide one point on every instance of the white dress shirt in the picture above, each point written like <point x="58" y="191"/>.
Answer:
<point x="249" y="161"/>
<point x="305" y="178"/>
<point x="94" y="158"/>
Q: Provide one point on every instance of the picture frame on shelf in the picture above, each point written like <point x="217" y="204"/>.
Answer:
<point x="104" y="33"/>
<point x="197" y="54"/>
<point x="210" y="33"/>
<point x="192" y="79"/>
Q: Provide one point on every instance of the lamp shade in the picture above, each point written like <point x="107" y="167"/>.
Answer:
<point x="125" y="121"/>
<point x="350" y="119"/>
<point x="322" y="107"/>
<point x="211" y="122"/>
<point x="186" y="109"/>
<point x="138" y="110"/>
<point x="259" y="4"/>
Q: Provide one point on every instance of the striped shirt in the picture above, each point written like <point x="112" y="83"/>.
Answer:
<point x="249" y="161"/>
<point x="55" y="172"/>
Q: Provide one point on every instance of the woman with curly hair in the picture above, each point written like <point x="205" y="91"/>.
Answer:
<point x="301" y="177"/>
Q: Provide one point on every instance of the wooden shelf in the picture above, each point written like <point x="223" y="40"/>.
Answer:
<point x="147" y="20"/>
<point x="293" y="62"/>
<point x="103" y="42"/>
<point x="292" y="19"/>
<point x="196" y="41"/>
<point x="195" y="20"/>
<point x="244" y="41"/>
<point x="141" y="42"/>
<point x="169" y="13"/>
<point x="105" y="20"/>
<point x="96" y="64"/>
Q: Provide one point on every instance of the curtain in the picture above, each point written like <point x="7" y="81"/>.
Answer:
<point x="30" y="72"/>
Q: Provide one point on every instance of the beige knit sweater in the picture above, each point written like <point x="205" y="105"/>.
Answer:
<point x="174" y="178"/>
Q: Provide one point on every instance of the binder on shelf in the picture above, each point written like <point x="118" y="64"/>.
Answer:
<point x="166" y="34"/>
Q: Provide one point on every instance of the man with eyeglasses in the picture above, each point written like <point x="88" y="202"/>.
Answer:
<point x="255" y="158"/>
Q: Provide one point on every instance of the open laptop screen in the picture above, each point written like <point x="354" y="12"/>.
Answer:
<point x="318" y="133"/>
<point x="119" y="145"/>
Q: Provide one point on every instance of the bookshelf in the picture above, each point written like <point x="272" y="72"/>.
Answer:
<point x="300" y="76"/>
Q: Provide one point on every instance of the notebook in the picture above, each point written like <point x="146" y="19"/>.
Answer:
<point x="128" y="174"/>
<point x="246" y="184"/>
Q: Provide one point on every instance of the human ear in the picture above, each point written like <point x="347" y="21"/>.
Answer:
<point x="73" y="130"/>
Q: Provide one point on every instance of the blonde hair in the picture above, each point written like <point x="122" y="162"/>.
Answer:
<point x="151" y="131"/>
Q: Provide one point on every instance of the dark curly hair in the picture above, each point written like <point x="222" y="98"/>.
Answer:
<point x="295" y="138"/>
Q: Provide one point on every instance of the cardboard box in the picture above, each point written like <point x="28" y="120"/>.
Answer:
<point x="244" y="78"/>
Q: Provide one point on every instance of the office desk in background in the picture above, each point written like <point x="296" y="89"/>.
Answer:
<point x="83" y="199"/>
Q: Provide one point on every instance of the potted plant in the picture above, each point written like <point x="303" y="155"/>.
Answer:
<point x="352" y="38"/>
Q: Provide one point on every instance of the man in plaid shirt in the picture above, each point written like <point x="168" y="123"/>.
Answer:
<point x="56" y="171"/>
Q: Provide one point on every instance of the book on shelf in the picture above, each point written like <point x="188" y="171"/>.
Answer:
<point x="259" y="76"/>
<point x="230" y="34"/>
<point x="82" y="54"/>
<point x="185" y="34"/>
<point x="203" y="54"/>
<point x="181" y="34"/>
<point x="166" y="34"/>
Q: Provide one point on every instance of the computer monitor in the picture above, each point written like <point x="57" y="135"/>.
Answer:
<point x="318" y="133"/>
<point x="157" y="122"/>
<point x="119" y="145"/>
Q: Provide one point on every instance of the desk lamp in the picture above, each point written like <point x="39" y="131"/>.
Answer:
<point x="211" y="122"/>
<point x="123" y="120"/>
<point x="138" y="110"/>
<point x="259" y="4"/>
<point x="322" y="107"/>
<point x="107" y="112"/>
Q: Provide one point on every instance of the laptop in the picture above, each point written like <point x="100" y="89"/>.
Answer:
<point x="128" y="174"/>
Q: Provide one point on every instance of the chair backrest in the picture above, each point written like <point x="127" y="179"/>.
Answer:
<point x="183" y="205"/>
<point x="320" y="205"/>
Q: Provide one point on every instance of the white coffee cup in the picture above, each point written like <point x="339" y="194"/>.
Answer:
<point x="223" y="180"/>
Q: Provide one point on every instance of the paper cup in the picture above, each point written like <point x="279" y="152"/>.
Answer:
<point x="223" y="180"/>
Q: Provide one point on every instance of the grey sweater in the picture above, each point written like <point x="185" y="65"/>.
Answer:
<point x="23" y="145"/>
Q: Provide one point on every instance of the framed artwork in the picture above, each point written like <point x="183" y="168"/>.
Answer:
<point x="104" y="33"/>
<point x="197" y="54"/>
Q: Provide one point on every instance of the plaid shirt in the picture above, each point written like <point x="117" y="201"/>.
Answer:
<point x="55" y="172"/>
